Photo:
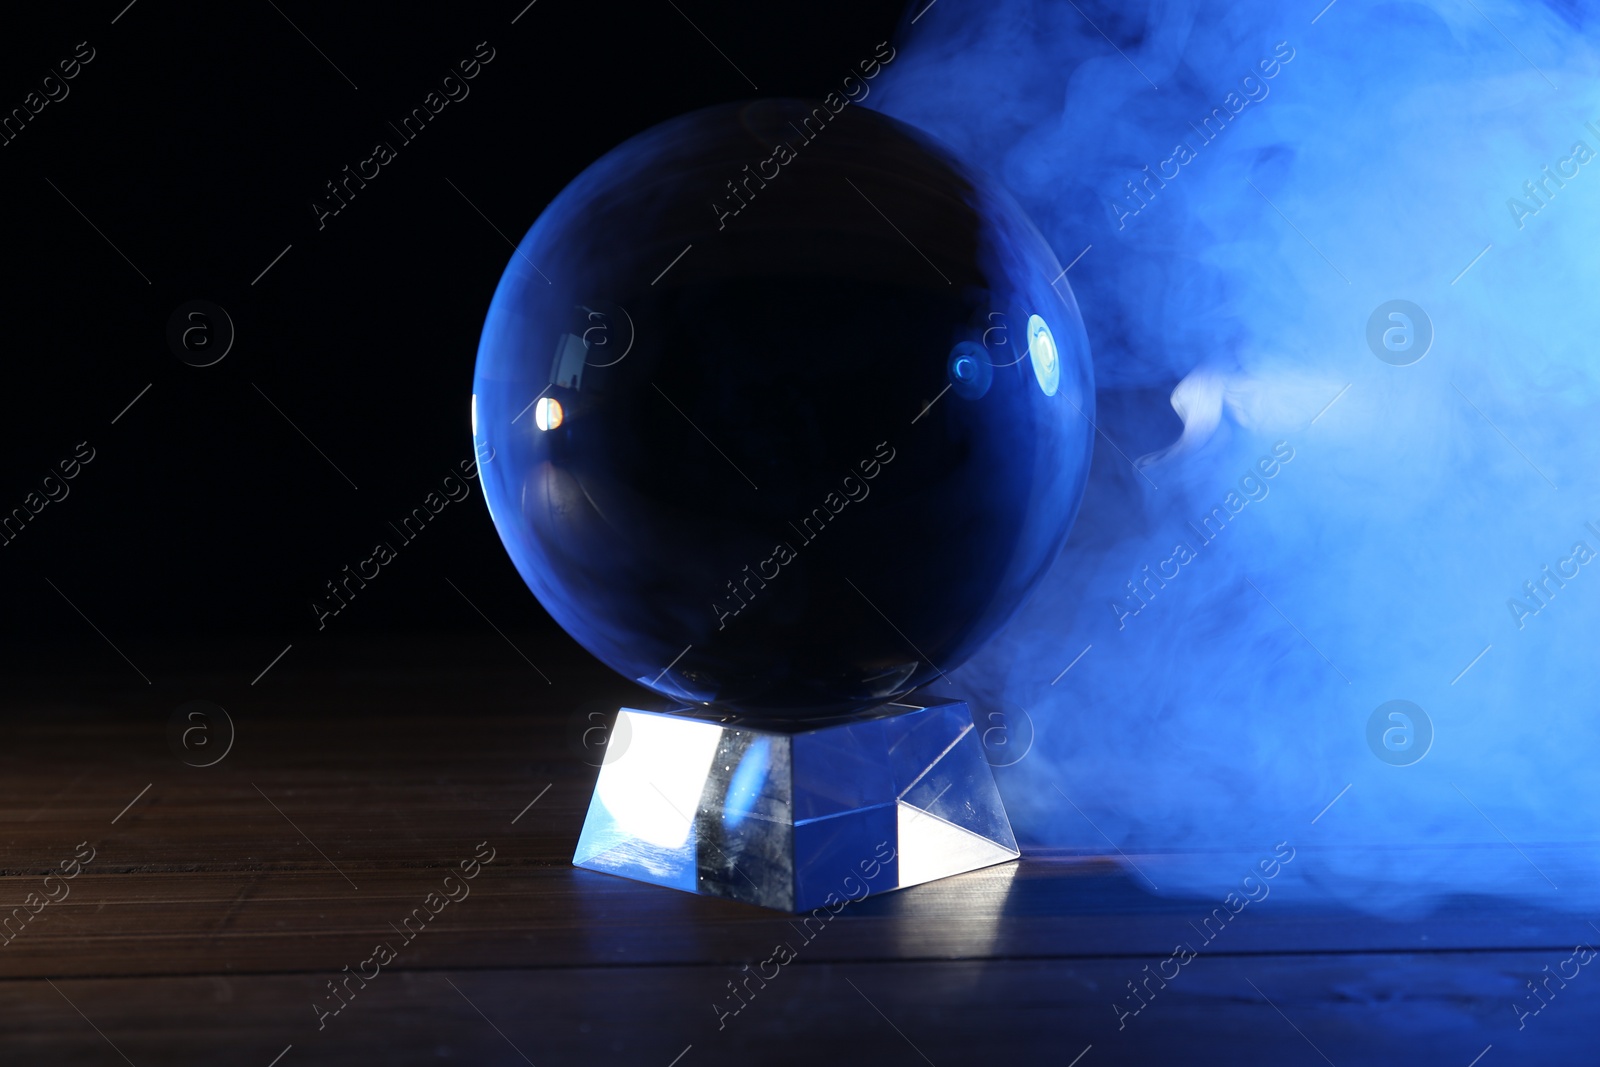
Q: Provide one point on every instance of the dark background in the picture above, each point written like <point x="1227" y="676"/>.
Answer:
<point x="196" y="141"/>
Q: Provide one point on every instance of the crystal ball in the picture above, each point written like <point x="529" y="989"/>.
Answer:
<point x="780" y="407"/>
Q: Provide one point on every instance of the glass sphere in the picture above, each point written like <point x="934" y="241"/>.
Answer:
<point x="783" y="409"/>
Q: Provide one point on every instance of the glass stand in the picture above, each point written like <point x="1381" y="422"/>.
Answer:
<point x="795" y="817"/>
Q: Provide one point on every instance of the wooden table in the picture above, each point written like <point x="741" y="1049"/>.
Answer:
<point x="221" y="902"/>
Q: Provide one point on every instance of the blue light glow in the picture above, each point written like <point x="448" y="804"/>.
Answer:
<point x="1321" y="521"/>
<point x="744" y="788"/>
<point x="971" y="372"/>
<point x="1042" y="351"/>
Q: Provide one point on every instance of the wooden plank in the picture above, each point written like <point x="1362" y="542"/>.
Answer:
<point x="1269" y="1010"/>
<point x="524" y="915"/>
<point x="221" y="901"/>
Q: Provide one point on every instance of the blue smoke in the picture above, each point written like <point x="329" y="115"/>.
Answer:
<point x="1247" y="183"/>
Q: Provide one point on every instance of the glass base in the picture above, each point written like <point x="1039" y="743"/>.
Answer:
<point x="799" y="816"/>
